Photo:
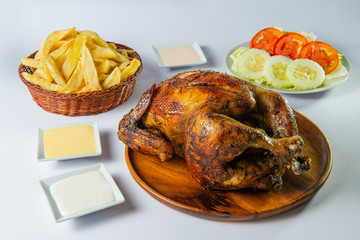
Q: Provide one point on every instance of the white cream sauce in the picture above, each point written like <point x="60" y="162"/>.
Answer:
<point x="81" y="192"/>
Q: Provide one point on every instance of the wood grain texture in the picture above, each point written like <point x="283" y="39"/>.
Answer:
<point x="171" y="183"/>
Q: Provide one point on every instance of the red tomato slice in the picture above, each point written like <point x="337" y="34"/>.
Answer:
<point x="322" y="53"/>
<point x="265" y="39"/>
<point x="290" y="45"/>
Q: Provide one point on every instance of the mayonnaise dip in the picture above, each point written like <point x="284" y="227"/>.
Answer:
<point x="81" y="192"/>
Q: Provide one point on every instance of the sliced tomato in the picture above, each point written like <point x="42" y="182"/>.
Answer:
<point x="265" y="39"/>
<point x="322" y="53"/>
<point x="290" y="45"/>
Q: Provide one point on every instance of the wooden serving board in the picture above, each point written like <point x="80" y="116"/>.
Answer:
<point x="171" y="183"/>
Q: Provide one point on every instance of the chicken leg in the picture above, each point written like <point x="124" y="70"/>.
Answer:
<point x="213" y="140"/>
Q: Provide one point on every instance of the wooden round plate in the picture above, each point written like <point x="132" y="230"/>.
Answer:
<point x="171" y="183"/>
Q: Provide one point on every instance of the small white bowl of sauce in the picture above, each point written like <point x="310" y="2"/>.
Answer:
<point x="80" y="192"/>
<point x="68" y="141"/>
<point x="181" y="54"/>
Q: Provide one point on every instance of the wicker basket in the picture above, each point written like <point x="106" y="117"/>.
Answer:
<point x="80" y="104"/>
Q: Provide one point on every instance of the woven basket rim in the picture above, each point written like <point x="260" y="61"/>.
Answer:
<point x="85" y="94"/>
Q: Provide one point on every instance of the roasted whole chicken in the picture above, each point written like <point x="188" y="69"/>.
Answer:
<point x="231" y="133"/>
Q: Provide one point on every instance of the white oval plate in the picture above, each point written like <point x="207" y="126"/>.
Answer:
<point x="331" y="83"/>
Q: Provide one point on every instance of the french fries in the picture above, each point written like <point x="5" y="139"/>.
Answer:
<point x="71" y="61"/>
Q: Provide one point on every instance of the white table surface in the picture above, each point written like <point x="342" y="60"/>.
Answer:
<point x="217" y="26"/>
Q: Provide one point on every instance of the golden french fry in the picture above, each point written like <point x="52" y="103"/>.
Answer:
<point x="97" y="61"/>
<point x="119" y="57"/>
<point x="131" y="69"/>
<point x="98" y="51"/>
<point x="56" y="45"/>
<point x="75" y="81"/>
<point x="89" y="69"/>
<point x="60" y="61"/>
<point x="106" y="66"/>
<point x="124" y="65"/>
<point x="91" y="45"/>
<point x="62" y="49"/>
<point x="84" y="89"/>
<point x="41" y="82"/>
<point x="103" y="67"/>
<point x="95" y="37"/>
<point x="101" y="52"/>
<point x="112" y="45"/>
<point x="102" y="77"/>
<point x="62" y="34"/>
<point x="125" y="52"/>
<point x="112" y="62"/>
<point x="44" y="49"/>
<point x="129" y="51"/>
<point x="73" y="56"/>
<point x="113" y="79"/>
<point x="30" y="62"/>
<point x="44" y="73"/>
<point x="54" y="70"/>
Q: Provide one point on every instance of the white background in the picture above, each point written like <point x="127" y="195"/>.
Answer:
<point x="217" y="26"/>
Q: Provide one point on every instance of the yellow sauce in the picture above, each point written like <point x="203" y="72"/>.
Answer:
<point x="68" y="141"/>
<point x="179" y="55"/>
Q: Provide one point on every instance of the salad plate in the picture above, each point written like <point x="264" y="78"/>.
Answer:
<point x="330" y="84"/>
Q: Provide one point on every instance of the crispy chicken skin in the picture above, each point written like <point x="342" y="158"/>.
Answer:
<point x="231" y="133"/>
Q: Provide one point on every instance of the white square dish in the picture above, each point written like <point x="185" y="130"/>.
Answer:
<point x="194" y="45"/>
<point x="41" y="154"/>
<point x="47" y="183"/>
